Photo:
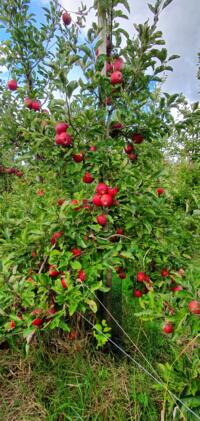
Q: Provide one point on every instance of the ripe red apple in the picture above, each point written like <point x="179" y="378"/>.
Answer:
<point x="118" y="64"/>
<point x="137" y="138"/>
<point x="60" y="202"/>
<point x="76" y="252"/>
<point x="63" y="283"/>
<point x="37" y="321"/>
<point x="51" y="311"/>
<point x="55" y="237"/>
<point x="132" y="156"/>
<point x="19" y="173"/>
<point x="33" y="253"/>
<point x="137" y="293"/>
<point x="97" y="200"/>
<point x="75" y="202"/>
<point x="129" y="148"/>
<point x="141" y="276"/>
<point x="194" y="307"/>
<point x="78" y="157"/>
<point x="119" y="269"/>
<point x="168" y="328"/>
<point x="160" y="191"/>
<point x="12" y="85"/>
<point x="120" y="231"/>
<point x="115" y="129"/>
<point x="113" y="191"/>
<point x="106" y="200"/>
<point x="116" y="78"/>
<point x="102" y="189"/>
<point x="109" y="68"/>
<point x="122" y="275"/>
<point x="82" y="275"/>
<point x="66" y="18"/>
<point x="63" y="139"/>
<point x="10" y="170"/>
<point x="86" y="204"/>
<point x="93" y="148"/>
<point x="164" y="273"/>
<point x="28" y="103"/>
<point x="53" y="271"/>
<point x="87" y="178"/>
<point x="61" y="127"/>
<point x="12" y="324"/>
<point x="177" y="288"/>
<point x="102" y="219"/>
<point x="36" y="105"/>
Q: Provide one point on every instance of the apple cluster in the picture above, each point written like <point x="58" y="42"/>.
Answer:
<point x="62" y="137"/>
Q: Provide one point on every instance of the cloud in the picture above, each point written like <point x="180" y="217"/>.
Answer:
<point x="181" y="31"/>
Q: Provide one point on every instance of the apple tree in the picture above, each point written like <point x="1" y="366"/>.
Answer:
<point x="85" y="203"/>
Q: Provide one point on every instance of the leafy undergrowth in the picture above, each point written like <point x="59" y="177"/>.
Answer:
<point x="77" y="386"/>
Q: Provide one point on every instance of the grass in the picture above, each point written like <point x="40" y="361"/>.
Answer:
<point x="79" y="386"/>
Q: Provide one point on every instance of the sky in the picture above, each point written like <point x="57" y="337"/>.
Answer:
<point x="180" y="23"/>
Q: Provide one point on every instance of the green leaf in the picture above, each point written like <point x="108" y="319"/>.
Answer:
<point x="92" y="304"/>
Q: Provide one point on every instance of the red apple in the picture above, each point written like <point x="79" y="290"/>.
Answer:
<point x="53" y="271"/>
<point x="61" y="127"/>
<point x="82" y="275"/>
<point x="160" y="191"/>
<point x="164" y="273"/>
<point x="12" y="324"/>
<point x="28" y="102"/>
<point x="55" y="237"/>
<point x="78" y="157"/>
<point x="87" y="178"/>
<point x="194" y="307"/>
<point x="177" y="288"/>
<point x="122" y="275"/>
<point x="97" y="200"/>
<point x="168" y="328"/>
<point x="137" y="138"/>
<point x="109" y="68"/>
<point x="36" y="105"/>
<point x="63" y="283"/>
<point x="60" y="202"/>
<point x="120" y="231"/>
<point x="63" y="139"/>
<point x="106" y="200"/>
<point x="37" y="321"/>
<point x="76" y="252"/>
<point x="132" y="156"/>
<point x="12" y="85"/>
<point x="113" y="191"/>
<point x="101" y="188"/>
<point x="129" y="148"/>
<point x="116" y="78"/>
<point x="118" y="64"/>
<point x="102" y="219"/>
<point x="33" y="253"/>
<point x="137" y="293"/>
<point x="141" y="276"/>
<point x="66" y="18"/>
<point x="19" y="173"/>
<point x="93" y="148"/>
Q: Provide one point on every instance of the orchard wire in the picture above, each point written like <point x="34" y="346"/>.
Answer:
<point x="173" y="396"/>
